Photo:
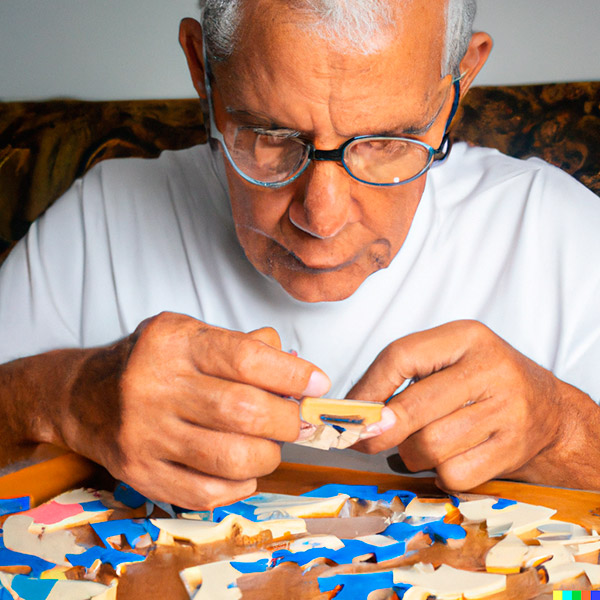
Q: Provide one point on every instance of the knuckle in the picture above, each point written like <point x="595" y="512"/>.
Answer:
<point x="396" y="352"/>
<point x="250" y="415"/>
<point x="160" y="321"/>
<point x="269" y="460"/>
<point x="235" y="462"/>
<point x="267" y="335"/>
<point x="429" y="444"/>
<point x="212" y="492"/>
<point x="370" y="446"/>
<point x="411" y="464"/>
<point x="209" y="493"/>
<point x="245" y="357"/>
<point x="453" y="476"/>
<point x="476" y="331"/>
<point x="410" y="459"/>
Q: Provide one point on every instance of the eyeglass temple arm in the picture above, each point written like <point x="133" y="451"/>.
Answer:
<point x="444" y="148"/>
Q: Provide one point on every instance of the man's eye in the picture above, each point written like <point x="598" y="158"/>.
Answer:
<point x="393" y="147"/>
<point x="276" y="133"/>
<point x="273" y="140"/>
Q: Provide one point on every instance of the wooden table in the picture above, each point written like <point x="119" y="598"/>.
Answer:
<point x="58" y="471"/>
<point x="54" y="471"/>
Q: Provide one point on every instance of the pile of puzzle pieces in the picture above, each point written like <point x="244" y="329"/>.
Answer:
<point x="361" y="539"/>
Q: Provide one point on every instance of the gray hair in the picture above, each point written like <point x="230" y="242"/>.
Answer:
<point x="352" y="22"/>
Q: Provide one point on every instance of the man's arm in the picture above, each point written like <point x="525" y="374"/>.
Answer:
<point x="182" y="411"/>
<point x="479" y="409"/>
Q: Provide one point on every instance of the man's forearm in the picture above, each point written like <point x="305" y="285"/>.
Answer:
<point x="43" y="397"/>
<point x="572" y="460"/>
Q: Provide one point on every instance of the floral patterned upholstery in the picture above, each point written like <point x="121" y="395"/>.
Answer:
<point x="45" y="146"/>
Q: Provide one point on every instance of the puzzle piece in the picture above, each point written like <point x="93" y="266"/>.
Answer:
<point x="204" y="532"/>
<point x="68" y="510"/>
<point x="50" y="546"/>
<point x="515" y="518"/>
<point x="263" y="507"/>
<point x="216" y="580"/>
<point x="447" y="583"/>
<point x="28" y="588"/>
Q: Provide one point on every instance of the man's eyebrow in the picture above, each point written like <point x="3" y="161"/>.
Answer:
<point x="254" y="118"/>
<point x="419" y="129"/>
<point x="262" y="120"/>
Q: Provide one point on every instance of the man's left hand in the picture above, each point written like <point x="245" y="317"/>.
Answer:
<point x="479" y="409"/>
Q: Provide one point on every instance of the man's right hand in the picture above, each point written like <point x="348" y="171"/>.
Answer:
<point x="182" y="411"/>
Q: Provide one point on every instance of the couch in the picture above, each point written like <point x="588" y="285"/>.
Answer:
<point x="45" y="146"/>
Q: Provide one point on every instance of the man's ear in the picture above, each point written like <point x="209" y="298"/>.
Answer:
<point x="477" y="54"/>
<point x="190" y="39"/>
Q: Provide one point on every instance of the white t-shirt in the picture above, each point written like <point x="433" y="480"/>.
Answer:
<point x="514" y="244"/>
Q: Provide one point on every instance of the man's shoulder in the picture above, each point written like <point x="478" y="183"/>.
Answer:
<point x="486" y="175"/>
<point x="142" y="189"/>
<point x="125" y="174"/>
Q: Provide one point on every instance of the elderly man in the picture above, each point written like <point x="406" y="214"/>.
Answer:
<point x="329" y="218"/>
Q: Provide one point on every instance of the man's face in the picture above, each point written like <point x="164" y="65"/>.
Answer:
<point x="322" y="235"/>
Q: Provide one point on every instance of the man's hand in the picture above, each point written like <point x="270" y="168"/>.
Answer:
<point x="182" y="411"/>
<point x="479" y="409"/>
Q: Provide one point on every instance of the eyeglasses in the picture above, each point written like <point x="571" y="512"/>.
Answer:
<point x="274" y="158"/>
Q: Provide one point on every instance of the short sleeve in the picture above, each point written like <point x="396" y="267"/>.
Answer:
<point x="41" y="283"/>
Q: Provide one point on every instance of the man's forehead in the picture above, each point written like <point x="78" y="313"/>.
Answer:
<point x="415" y="29"/>
<point x="279" y="61"/>
<point x="355" y="19"/>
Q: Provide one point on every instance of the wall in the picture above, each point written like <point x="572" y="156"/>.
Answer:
<point x="109" y="49"/>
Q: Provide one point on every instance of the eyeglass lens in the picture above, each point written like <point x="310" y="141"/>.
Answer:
<point x="272" y="158"/>
<point x="266" y="158"/>
<point x="386" y="160"/>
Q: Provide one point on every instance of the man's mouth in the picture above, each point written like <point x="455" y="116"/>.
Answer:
<point x="292" y="261"/>
<point x="296" y="263"/>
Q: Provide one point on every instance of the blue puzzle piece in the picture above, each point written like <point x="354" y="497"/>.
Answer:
<point x="356" y="586"/>
<point x="115" y="558"/>
<point x="32" y="589"/>
<point x="9" y="558"/>
<point x="437" y="530"/>
<point x="237" y="508"/>
<point x="503" y="503"/>
<point x="128" y="496"/>
<point x="4" y="593"/>
<point x="259" y="566"/>
<point x="342" y="556"/>
<point x="132" y="529"/>
<point x="93" y="506"/>
<point x="9" y="506"/>
<point x="361" y="492"/>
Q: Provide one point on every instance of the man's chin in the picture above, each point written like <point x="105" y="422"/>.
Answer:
<point x="320" y="287"/>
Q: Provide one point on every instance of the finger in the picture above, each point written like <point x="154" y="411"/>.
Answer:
<point x="477" y="465"/>
<point x="228" y="456"/>
<point x="185" y="487"/>
<point x="426" y="401"/>
<point x="449" y="436"/>
<point x="239" y="408"/>
<point x="416" y="356"/>
<point x="239" y="357"/>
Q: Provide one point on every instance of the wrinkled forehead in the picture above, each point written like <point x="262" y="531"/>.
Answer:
<point x="284" y="47"/>
<point x="350" y="26"/>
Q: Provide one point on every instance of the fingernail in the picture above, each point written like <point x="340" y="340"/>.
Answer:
<point x="306" y="431"/>
<point x="318" y="384"/>
<point x="388" y="420"/>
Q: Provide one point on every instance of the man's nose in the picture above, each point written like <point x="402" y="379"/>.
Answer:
<point x="326" y="205"/>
